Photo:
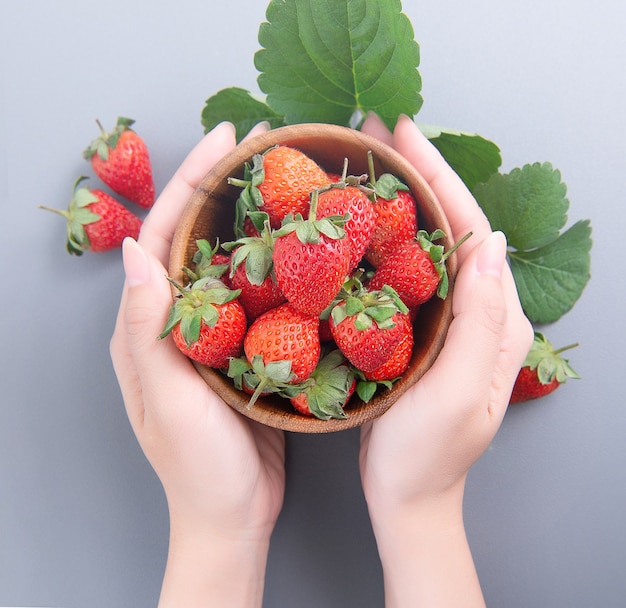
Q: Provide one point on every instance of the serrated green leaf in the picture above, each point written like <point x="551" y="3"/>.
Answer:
<point x="550" y="279"/>
<point x="527" y="204"/>
<point x="240" y="107"/>
<point x="190" y="326"/>
<point x="474" y="158"/>
<point x="327" y="60"/>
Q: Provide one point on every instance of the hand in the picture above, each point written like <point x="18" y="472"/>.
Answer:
<point x="222" y="473"/>
<point x="415" y="458"/>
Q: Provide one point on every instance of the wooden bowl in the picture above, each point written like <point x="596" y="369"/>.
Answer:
<point x="209" y="214"/>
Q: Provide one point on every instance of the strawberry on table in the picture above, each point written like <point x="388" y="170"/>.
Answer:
<point x="96" y="221"/>
<point x="207" y="322"/>
<point x="543" y="371"/>
<point x="122" y="161"/>
<point x="417" y="269"/>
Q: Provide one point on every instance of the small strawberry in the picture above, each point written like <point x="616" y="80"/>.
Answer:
<point x="416" y="269"/>
<point x="311" y="260"/>
<point x="396" y="215"/>
<point x="207" y="322"/>
<point x="96" y="221"/>
<point x="121" y="160"/>
<point x="347" y="198"/>
<point x="367" y="326"/>
<point x="279" y="183"/>
<point x="543" y="371"/>
<point x="327" y="390"/>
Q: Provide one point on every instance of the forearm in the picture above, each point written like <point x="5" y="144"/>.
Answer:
<point x="426" y="558"/>
<point x="211" y="571"/>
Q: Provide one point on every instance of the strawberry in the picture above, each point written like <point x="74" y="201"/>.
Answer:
<point x="207" y="322"/>
<point x="281" y="347"/>
<point x="327" y="391"/>
<point x="279" y="183"/>
<point x="399" y="360"/>
<point x="285" y="334"/>
<point x="251" y="271"/>
<point x="542" y="372"/>
<point x="121" y="160"/>
<point x="367" y="326"/>
<point x="345" y="198"/>
<point x="416" y="269"/>
<point x="208" y="263"/>
<point x="96" y="221"/>
<point x="311" y="260"/>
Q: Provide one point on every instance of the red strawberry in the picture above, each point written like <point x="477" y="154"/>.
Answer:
<point x="96" y="221"/>
<point x="399" y="360"/>
<point x="543" y="371"/>
<point x="252" y="272"/>
<point x="311" y="260"/>
<point x="349" y="199"/>
<point x="207" y="322"/>
<point x="121" y="160"/>
<point x="327" y="390"/>
<point x="396" y="215"/>
<point x="367" y="326"/>
<point x="285" y="334"/>
<point x="416" y="269"/>
<point x="279" y="183"/>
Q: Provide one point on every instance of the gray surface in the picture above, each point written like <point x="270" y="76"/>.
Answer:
<point x="82" y="516"/>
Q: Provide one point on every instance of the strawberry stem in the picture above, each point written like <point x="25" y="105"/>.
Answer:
<point x="558" y="351"/>
<point x="454" y="247"/>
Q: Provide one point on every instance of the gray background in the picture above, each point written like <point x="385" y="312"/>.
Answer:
<point x="82" y="516"/>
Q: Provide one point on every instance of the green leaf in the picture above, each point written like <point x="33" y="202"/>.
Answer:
<point x="240" y="107"/>
<point x="527" y="204"/>
<point x="550" y="279"/>
<point x="474" y="158"/>
<point x="329" y="60"/>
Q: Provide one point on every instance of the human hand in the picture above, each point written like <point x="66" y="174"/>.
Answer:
<point x="223" y="474"/>
<point x="415" y="458"/>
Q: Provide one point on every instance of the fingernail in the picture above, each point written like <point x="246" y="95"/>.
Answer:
<point x="136" y="265"/>
<point x="491" y="255"/>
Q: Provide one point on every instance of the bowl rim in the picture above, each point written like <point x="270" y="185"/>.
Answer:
<point x="265" y="410"/>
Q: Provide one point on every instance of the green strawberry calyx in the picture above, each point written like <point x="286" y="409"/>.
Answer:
<point x="203" y="262"/>
<point x="387" y="185"/>
<point x="106" y="142"/>
<point x="255" y="251"/>
<point x="548" y="362"/>
<point x="262" y="378"/>
<point x="328" y="388"/>
<point x="439" y="256"/>
<point x="365" y="306"/>
<point x="310" y="230"/>
<point x="196" y="304"/>
<point x="78" y="215"/>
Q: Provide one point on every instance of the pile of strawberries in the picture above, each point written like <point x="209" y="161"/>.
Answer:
<point x="316" y="296"/>
<point x="96" y="221"/>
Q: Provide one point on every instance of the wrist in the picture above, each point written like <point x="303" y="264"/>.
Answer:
<point x="424" y="552"/>
<point x="214" y="568"/>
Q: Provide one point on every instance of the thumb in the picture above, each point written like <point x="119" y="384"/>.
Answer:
<point x="475" y="337"/>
